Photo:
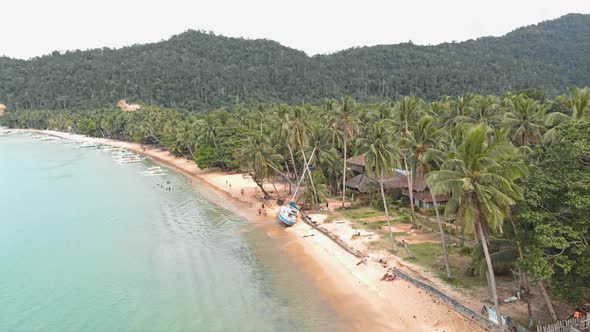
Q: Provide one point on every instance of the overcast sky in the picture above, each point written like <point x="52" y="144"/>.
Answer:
<point x="34" y="27"/>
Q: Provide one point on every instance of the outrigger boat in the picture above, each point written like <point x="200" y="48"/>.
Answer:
<point x="153" y="171"/>
<point x="88" y="145"/>
<point x="288" y="213"/>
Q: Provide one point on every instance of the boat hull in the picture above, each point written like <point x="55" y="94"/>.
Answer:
<point x="287" y="215"/>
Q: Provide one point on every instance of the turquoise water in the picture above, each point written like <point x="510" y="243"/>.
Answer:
<point x="87" y="245"/>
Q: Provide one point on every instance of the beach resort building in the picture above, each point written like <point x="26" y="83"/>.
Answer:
<point x="361" y="182"/>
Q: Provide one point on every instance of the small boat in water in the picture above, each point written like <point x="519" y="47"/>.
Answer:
<point x="153" y="171"/>
<point x="86" y="145"/>
<point x="105" y="148"/>
<point x="134" y="158"/>
<point x="121" y="154"/>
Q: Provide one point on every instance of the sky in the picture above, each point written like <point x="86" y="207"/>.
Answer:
<point x="31" y="28"/>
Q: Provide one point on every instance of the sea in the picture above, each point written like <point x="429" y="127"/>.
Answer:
<point x="90" y="245"/>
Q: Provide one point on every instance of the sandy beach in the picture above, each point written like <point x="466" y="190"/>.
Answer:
<point x="354" y="289"/>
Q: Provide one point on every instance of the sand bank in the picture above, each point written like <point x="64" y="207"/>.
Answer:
<point x="354" y="289"/>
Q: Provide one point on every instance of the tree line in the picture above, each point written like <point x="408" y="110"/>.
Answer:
<point x="516" y="167"/>
<point x="200" y="71"/>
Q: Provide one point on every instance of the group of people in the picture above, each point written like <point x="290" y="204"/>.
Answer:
<point x="389" y="277"/>
<point x="165" y="186"/>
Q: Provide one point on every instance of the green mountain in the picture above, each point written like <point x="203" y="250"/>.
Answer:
<point x="197" y="70"/>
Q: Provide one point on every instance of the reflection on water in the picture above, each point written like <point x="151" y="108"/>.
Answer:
<point x="88" y="245"/>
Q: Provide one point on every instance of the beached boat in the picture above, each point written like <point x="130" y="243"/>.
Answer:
<point x="288" y="213"/>
<point x="87" y="145"/>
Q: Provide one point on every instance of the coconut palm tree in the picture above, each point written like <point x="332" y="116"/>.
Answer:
<point x="380" y="157"/>
<point x="257" y="157"/>
<point x="346" y="120"/>
<point x="580" y="104"/>
<point x="326" y="156"/>
<point x="407" y="112"/>
<point x="485" y="110"/>
<point x="422" y="144"/>
<point x="480" y="179"/>
<point x="526" y="120"/>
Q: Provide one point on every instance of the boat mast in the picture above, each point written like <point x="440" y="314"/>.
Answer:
<point x="303" y="175"/>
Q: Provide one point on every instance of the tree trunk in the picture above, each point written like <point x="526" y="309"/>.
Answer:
<point x="547" y="300"/>
<point x="409" y="177"/>
<point x="287" y="177"/>
<point x="442" y="237"/>
<point x="524" y="276"/>
<point x="490" y="297"/>
<point x="387" y="214"/>
<point x="190" y="151"/>
<point x="344" y="171"/>
<point x="293" y="161"/>
<point x="275" y="187"/>
<point x="486" y="252"/>
<point x="528" y="300"/>
<point x="260" y="185"/>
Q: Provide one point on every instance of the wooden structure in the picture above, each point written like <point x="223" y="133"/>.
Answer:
<point x="569" y="325"/>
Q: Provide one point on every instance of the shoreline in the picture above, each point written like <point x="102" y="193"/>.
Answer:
<point x="354" y="290"/>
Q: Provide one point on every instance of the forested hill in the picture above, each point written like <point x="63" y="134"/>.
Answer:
<point x="196" y="70"/>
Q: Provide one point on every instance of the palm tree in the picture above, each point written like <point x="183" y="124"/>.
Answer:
<point x="485" y="110"/>
<point x="480" y="179"/>
<point x="422" y="145"/>
<point x="259" y="159"/>
<point x="525" y="120"/>
<point x="347" y="122"/>
<point x="282" y="133"/>
<point x="580" y="104"/>
<point x="326" y="156"/>
<point x="407" y="113"/>
<point x="380" y="154"/>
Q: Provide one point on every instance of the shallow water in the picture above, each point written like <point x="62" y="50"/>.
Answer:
<point x="87" y="245"/>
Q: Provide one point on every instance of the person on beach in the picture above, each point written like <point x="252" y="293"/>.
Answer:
<point x="484" y="310"/>
<point x="242" y="191"/>
<point x="388" y="277"/>
<point x="259" y="212"/>
<point x="265" y="213"/>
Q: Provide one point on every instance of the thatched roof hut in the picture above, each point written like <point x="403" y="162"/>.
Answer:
<point x="2" y="109"/>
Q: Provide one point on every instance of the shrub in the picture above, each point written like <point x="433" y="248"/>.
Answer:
<point x="465" y="250"/>
<point x="405" y="219"/>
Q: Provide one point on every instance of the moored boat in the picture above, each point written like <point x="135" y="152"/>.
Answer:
<point x="86" y="145"/>
<point x="134" y="158"/>
<point x="153" y="171"/>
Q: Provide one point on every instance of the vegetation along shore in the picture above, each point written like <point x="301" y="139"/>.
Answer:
<point x="444" y="191"/>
